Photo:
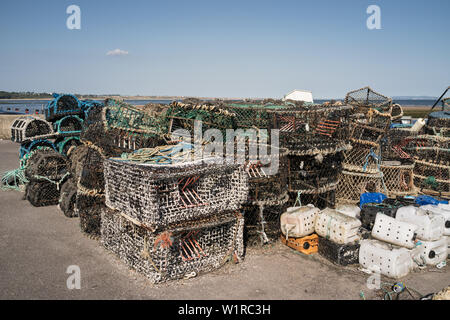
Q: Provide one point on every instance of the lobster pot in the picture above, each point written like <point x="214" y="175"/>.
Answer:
<point x="398" y="178"/>
<point x="369" y="212"/>
<point x="367" y="134"/>
<point x="76" y="159"/>
<point x="68" y="198"/>
<point x="308" y="174"/>
<point x="429" y="148"/>
<point x="321" y="198"/>
<point x="443" y="210"/>
<point x="310" y="144"/>
<point x="46" y="164"/>
<point x="352" y="184"/>
<point x="27" y="128"/>
<point x="337" y="227"/>
<point x="391" y="261"/>
<point x="362" y="158"/>
<point x="181" y="251"/>
<point x="262" y="223"/>
<point x="392" y="146"/>
<point x="431" y="177"/>
<point x="62" y="105"/>
<point x="27" y="147"/>
<point x="42" y="193"/>
<point x="305" y="245"/>
<point x="158" y="195"/>
<point x="67" y="143"/>
<point x="394" y="231"/>
<point x="298" y="221"/>
<point x="89" y="207"/>
<point x="366" y="98"/>
<point x="69" y="125"/>
<point x="431" y="252"/>
<point x="430" y="225"/>
<point x="91" y="171"/>
<point x="438" y="123"/>
<point x="342" y="254"/>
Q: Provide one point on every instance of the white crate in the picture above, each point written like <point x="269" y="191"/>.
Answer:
<point x="394" y="231"/>
<point x="430" y="225"/>
<point x="337" y="227"/>
<point x="389" y="260"/>
<point x="444" y="210"/>
<point x="349" y="210"/>
<point x="299" y="221"/>
<point x="431" y="252"/>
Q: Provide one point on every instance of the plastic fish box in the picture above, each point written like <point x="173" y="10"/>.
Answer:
<point x="337" y="227"/>
<point x="431" y="252"/>
<point x="299" y="221"/>
<point x="430" y="224"/>
<point x="306" y="245"/>
<point x="394" y="231"/>
<point x="369" y="212"/>
<point x="343" y="254"/>
<point x="444" y="210"/>
<point x="391" y="261"/>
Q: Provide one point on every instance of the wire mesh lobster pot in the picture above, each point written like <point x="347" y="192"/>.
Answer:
<point x="61" y="106"/>
<point x="428" y="148"/>
<point x="68" y="198"/>
<point x="42" y="193"/>
<point x="321" y="198"/>
<point x="392" y="145"/>
<point x="76" y="159"/>
<point x="69" y="125"/>
<point x="183" y="115"/>
<point x="362" y="157"/>
<point x="368" y="98"/>
<point x="63" y="145"/>
<point x="88" y="207"/>
<point x="183" y="250"/>
<point x="398" y="178"/>
<point x="46" y="164"/>
<point x="27" y="147"/>
<point x="161" y="194"/>
<point x="28" y="128"/>
<point x="352" y="184"/>
<point x="432" y="178"/>
<point x="438" y="123"/>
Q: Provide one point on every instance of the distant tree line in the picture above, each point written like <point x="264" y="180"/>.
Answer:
<point x="41" y="95"/>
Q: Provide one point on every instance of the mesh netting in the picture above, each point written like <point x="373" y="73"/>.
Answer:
<point x="47" y="164"/>
<point x="69" y="124"/>
<point x="362" y="157"/>
<point x="320" y="199"/>
<point x="398" y="178"/>
<point x="42" y="193"/>
<point x="393" y="145"/>
<point x="68" y="198"/>
<point x="63" y="105"/>
<point x="428" y="148"/>
<point x="181" y="251"/>
<point x="352" y="184"/>
<point x="432" y="176"/>
<point x="65" y="144"/>
<point x="89" y="210"/>
<point x="26" y="128"/>
<point x="366" y="97"/>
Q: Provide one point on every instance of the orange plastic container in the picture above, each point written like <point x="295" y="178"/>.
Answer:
<point x="306" y="245"/>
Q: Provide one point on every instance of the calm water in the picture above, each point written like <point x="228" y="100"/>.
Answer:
<point x="37" y="106"/>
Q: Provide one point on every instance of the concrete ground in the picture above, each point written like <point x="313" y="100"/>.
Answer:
<point x="37" y="245"/>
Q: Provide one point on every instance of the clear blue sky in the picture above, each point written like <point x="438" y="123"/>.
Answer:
<point x="225" y="48"/>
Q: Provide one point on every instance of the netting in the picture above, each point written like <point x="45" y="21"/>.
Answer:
<point x="367" y="98"/>
<point x="398" y="178"/>
<point x="27" y="128"/>
<point x="321" y="198"/>
<point x="68" y="197"/>
<point x="172" y="192"/>
<point x="65" y="144"/>
<point x="352" y="184"/>
<point x="184" y="250"/>
<point x="69" y="124"/>
<point x="89" y="208"/>
<point x="63" y="105"/>
<point x="393" y="144"/>
<point x="432" y="177"/>
<point x="42" y="193"/>
<point x="46" y="164"/>
<point x="439" y="123"/>
<point x="363" y="157"/>
<point x="428" y="148"/>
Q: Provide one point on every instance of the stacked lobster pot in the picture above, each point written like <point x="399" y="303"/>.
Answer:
<point x="439" y="122"/>
<point x="171" y="215"/>
<point x="316" y="137"/>
<point x="248" y="143"/>
<point x="109" y="131"/>
<point x="64" y="117"/>
<point x="361" y="165"/>
<point x="431" y="156"/>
